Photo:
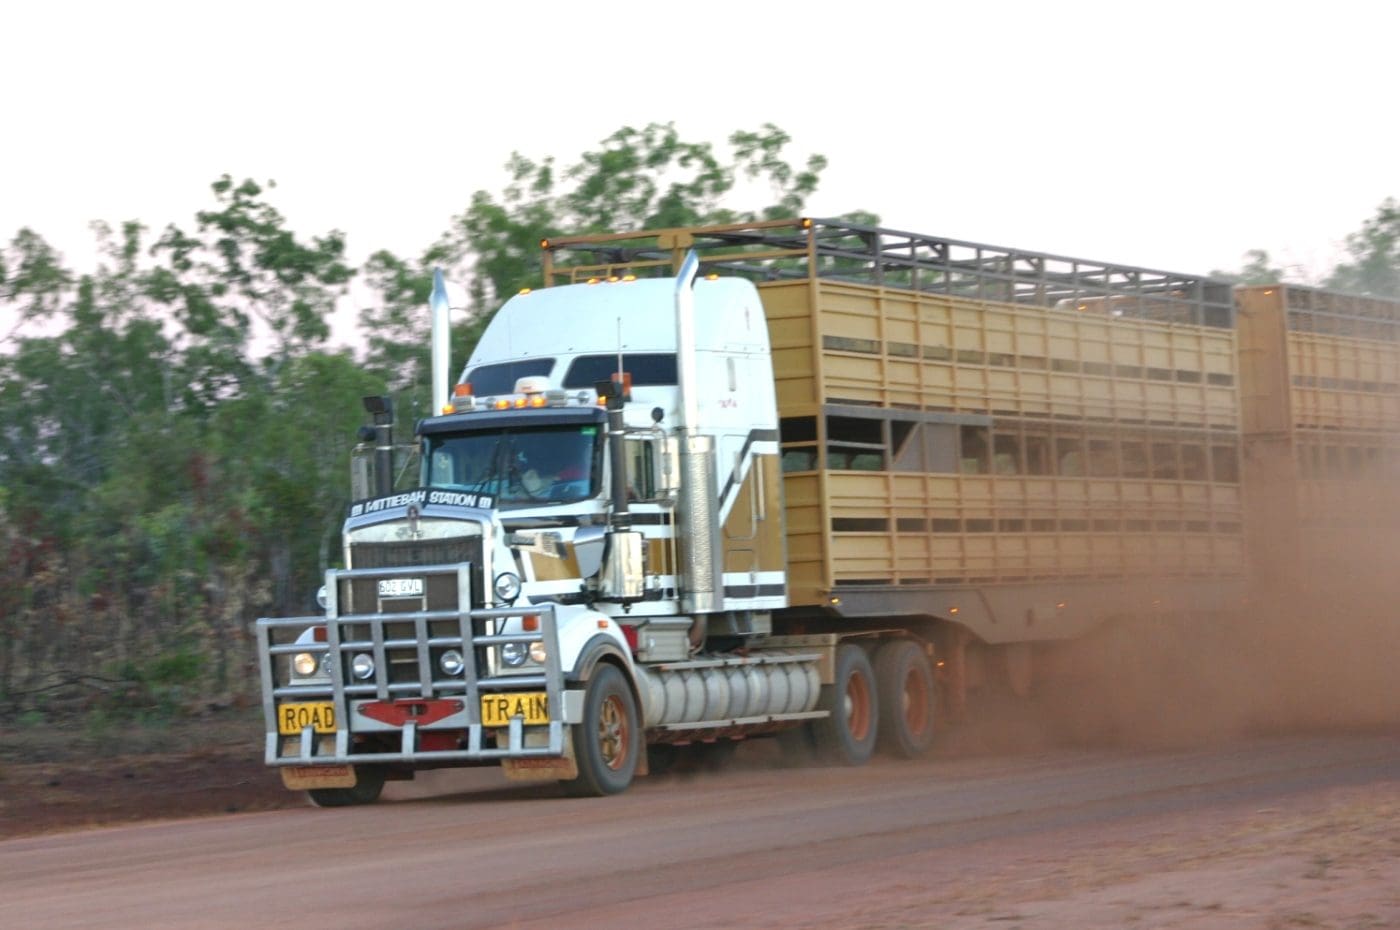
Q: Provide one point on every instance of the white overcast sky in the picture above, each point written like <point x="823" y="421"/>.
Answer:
<point x="1173" y="135"/>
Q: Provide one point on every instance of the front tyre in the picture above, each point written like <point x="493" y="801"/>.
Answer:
<point x="607" y="744"/>
<point x="369" y="782"/>
<point x="846" y="736"/>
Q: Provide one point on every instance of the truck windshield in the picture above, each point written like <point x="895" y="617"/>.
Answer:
<point x="520" y="467"/>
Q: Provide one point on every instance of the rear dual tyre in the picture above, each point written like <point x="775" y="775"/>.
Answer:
<point x="890" y="704"/>
<point x="846" y="736"/>
<point x="908" y="699"/>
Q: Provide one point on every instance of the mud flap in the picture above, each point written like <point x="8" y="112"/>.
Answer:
<point x="306" y="777"/>
<point x="544" y="768"/>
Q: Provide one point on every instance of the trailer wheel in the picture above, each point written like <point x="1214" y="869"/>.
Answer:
<point x="369" y="782"/>
<point x="607" y="744"/>
<point x="847" y="735"/>
<point x="907" y="699"/>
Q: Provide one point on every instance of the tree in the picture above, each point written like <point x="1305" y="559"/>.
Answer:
<point x="1374" y="269"/>
<point x="242" y="264"/>
<point x="32" y="279"/>
<point x="1256" y="270"/>
<point x="171" y="459"/>
<point x="637" y="179"/>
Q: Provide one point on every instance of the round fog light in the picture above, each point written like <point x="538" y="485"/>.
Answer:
<point x="537" y="652"/>
<point x="305" y="664"/>
<point x="362" y="666"/>
<point x="451" y="663"/>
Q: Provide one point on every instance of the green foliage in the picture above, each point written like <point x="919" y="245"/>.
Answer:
<point x="637" y="179"/>
<point x="1374" y="268"/>
<point x="1256" y="270"/>
<point x="32" y="277"/>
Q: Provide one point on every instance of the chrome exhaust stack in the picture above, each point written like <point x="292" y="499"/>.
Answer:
<point x="442" y="342"/>
<point x="702" y="580"/>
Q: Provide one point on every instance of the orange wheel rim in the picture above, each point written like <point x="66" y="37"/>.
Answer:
<point x="858" y="716"/>
<point x="613" y="736"/>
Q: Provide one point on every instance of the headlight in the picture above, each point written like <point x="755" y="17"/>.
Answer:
<point x="362" y="666"/>
<point x="321" y="597"/>
<point x="451" y="663"/>
<point x="514" y="654"/>
<point x="507" y="587"/>
<point x="537" y="652"/>
<point x="305" y="664"/>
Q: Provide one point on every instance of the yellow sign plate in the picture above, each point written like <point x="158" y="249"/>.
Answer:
<point x="497" y="709"/>
<point x="293" y="718"/>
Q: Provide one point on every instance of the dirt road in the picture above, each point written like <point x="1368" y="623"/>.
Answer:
<point x="1265" y="833"/>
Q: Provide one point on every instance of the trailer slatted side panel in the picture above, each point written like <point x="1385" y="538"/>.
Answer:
<point x="963" y="442"/>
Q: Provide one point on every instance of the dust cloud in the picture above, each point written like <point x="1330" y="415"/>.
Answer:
<point x="1317" y="654"/>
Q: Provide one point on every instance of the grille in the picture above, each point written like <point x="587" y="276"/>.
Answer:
<point x="416" y="552"/>
<point x="361" y="595"/>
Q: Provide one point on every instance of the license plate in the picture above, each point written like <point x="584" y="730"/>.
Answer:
<point x="497" y="709"/>
<point x="293" y="718"/>
<point x="401" y="587"/>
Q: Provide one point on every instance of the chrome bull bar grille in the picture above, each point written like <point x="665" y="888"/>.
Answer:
<point x="406" y="646"/>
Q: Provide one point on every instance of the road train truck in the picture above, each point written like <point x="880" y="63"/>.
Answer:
<point x="799" y="479"/>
